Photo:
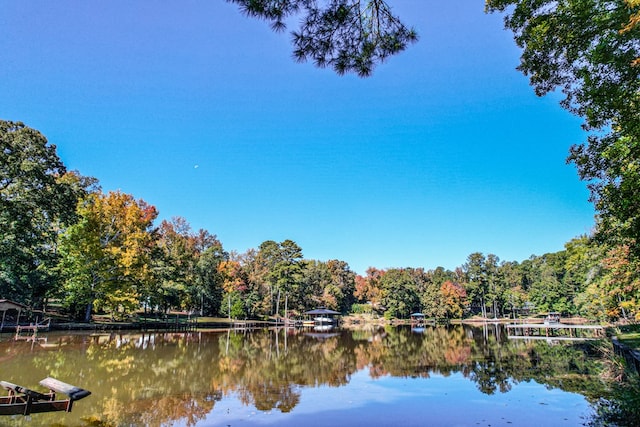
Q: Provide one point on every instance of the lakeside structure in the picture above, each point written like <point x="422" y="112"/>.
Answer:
<point x="23" y="401"/>
<point x="321" y="316"/>
<point x="553" y="328"/>
<point x="10" y="306"/>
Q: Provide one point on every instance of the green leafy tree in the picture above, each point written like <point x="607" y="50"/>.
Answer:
<point x="286" y="276"/>
<point x="583" y="264"/>
<point x="483" y="283"/>
<point x="441" y="295"/>
<point x="548" y="289"/>
<point x="265" y="262"/>
<point x="346" y="35"/>
<point x="275" y="275"/>
<point x="342" y="284"/>
<point x="206" y="292"/>
<point x="252" y="271"/>
<point x="174" y="265"/>
<point x="317" y="285"/>
<point x="428" y="285"/>
<point x="476" y="282"/>
<point x="186" y="269"/>
<point x="495" y="286"/>
<point x="515" y="297"/>
<point x="399" y="294"/>
<point x="327" y="284"/>
<point x="38" y="199"/>
<point x="589" y="49"/>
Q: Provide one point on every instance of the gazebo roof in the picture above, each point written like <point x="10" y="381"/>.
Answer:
<point x="6" y="304"/>
<point x="321" y="310"/>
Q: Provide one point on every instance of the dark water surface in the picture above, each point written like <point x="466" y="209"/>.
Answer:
<point x="439" y="376"/>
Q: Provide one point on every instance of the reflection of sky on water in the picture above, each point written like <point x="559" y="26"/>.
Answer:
<point x="392" y="401"/>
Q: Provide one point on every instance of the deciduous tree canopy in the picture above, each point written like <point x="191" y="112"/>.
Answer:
<point x="37" y="200"/>
<point x="589" y="49"/>
<point x="106" y="255"/>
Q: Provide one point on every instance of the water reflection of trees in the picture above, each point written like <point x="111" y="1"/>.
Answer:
<point x="158" y="379"/>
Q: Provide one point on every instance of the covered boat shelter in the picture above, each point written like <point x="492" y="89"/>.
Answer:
<point x="322" y="315"/>
<point x="7" y="305"/>
<point x="322" y="312"/>
<point x="417" y="318"/>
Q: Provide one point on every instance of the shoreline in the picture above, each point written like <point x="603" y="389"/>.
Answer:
<point x="348" y="321"/>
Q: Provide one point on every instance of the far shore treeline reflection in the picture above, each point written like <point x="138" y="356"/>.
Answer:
<point x="166" y="378"/>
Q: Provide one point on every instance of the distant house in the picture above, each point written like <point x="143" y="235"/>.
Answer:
<point x="526" y="310"/>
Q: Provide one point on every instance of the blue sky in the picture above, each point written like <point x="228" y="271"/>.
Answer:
<point x="201" y="112"/>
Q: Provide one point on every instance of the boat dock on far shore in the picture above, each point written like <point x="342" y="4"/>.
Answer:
<point x="555" y="330"/>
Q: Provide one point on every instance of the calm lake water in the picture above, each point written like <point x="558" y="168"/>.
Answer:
<point x="439" y="376"/>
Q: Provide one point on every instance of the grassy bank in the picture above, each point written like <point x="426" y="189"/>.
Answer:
<point x="629" y="335"/>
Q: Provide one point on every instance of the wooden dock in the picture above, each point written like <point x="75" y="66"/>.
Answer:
<point x="23" y="401"/>
<point x="30" y="332"/>
<point x="557" y="331"/>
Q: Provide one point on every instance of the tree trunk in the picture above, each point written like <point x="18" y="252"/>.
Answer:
<point x="87" y="314"/>
<point x="624" y="313"/>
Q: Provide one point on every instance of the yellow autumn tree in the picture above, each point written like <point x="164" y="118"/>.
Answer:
<point x="106" y="254"/>
<point x="453" y="299"/>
